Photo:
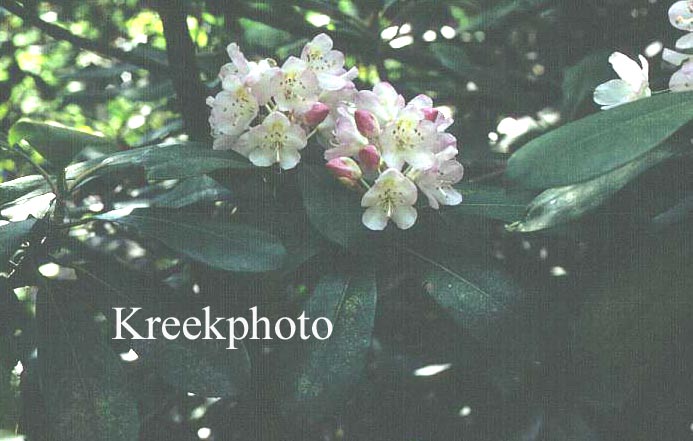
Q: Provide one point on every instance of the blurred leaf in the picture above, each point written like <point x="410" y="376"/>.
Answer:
<point x="635" y="316"/>
<point x="12" y="236"/>
<point x="220" y="244"/>
<point x="192" y="191"/>
<point x="16" y="188"/>
<point x="599" y="143"/>
<point x="681" y="212"/>
<point x="491" y="201"/>
<point x="170" y="128"/>
<point x="320" y="375"/>
<point x="204" y="368"/>
<point x="151" y="92"/>
<point x="557" y="206"/>
<point x="579" y="82"/>
<point x="333" y="210"/>
<point x="57" y="144"/>
<point x="497" y="15"/>
<point x="83" y="384"/>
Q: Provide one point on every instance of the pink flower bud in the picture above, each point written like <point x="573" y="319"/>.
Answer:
<point x="369" y="157"/>
<point x="344" y="168"/>
<point x="349" y="183"/>
<point x="430" y="113"/>
<point x="366" y="123"/>
<point x="316" y="114"/>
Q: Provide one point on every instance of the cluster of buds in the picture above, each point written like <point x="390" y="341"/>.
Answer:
<point x="681" y="17"/>
<point x="390" y="148"/>
<point x="267" y="113"/>
<point x="374" y="141"/>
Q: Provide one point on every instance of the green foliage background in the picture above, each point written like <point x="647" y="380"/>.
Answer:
<point x="558" y="292"/>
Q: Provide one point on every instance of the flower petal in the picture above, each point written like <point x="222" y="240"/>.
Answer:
<point x="612" y="93"/>
<point x="628" y="70"/>
<point x="263" y="157"/>
<point x="404" y="216"/>
<point x="681" y="15"/>
<point x="375" y="218"/>
<point x="685" y="42"/>
<point x="289" y="158"/>
<point x="682" y="80"/>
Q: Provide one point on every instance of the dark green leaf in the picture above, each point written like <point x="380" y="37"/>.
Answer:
<point x="220" y="244"/>
<point x="637" y="311"/>
<point x="557" y="206"/>
<point x="491" y="201"/>
<point x="319" y="375"/>
<point x="332" y="209"/>
<point x="83" y="384"/>
<point x="202" y="367"/>
<point x="17" y="188"/>
<point x="579" y="82"/>
<point x="600" y="143"/>
<point x="57" y="144"/>
<point x="192" y="191"/>
<point x="12" y="236"/>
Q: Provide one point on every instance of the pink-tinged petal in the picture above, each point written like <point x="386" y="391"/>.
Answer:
<point x="232" y="111"/>
<point x="344" y="167"/>
<point x="404" y="216"/>
<point x="681" y="15"/>
<point x="421" y="102"/>
<point x="328" y="81"/>
<point x="237" y="57"/>
<point x="289" y="158"/>
<point x="339" y="151"/>
<point x="370" y="158"/>
<point x="366" y="123"/>
<point x="452" y="171"/>
<point x="375" y="218"/>
<point x="430" y="113"/>
<point x="421" y="159"/>
<point x="317" y="114"/>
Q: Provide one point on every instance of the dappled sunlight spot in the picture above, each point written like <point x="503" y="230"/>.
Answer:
<point x="653" y="49"/>
<point x="401" y="42"/>
<point x="465" y="411"/>
<point x="204" y="432"/>
<point x="448" y="32"/>
<point x="432" y="369"/>
<point x="129" y="356"/>
<point x="405" y="29"/>
<point x="18" y="369"/>
<point x="54" y="271"/>
<point x="318" y="20"/>
<point x="389" y="33"/>
<point x="198" y="412"/>
<point x="558" y="271"/>
<point x="429" y="35"/>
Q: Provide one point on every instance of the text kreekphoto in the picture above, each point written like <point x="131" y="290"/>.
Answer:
<point x="130" y="326"/>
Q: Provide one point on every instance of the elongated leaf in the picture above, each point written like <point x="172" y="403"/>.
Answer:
<point x="57" y="144"/>
<point x="165" y="161"/>
<point x="579" y="82"/>
<point x="320" y="374"/>
<point x="332" y="209"/>
<point x="11" y="237"/>
<point x="600" y="143"/>
<point x="637" y="311"/>
<point x="84" y="387"/>
<point x="557" y="206"/>
<point x="15" y="189"/>
<point x="223" y="245"/>
<point x="491" y="201"/>
<point x="192" y="191"/>
<point x="204" y="368"/>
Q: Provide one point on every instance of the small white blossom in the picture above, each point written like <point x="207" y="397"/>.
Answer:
<point x="437" y="182"/>
<point x="348" y="141"/>
<point x="383" y="101"/>
<point x="233" y="110"/>
<point x="391" y="197"/>
<point x="295" y="87"/>
<point x="255" y="75"/>
<point x="681" y="15"/>
<point x="632" y="85"/>
<point x="411" y="139"/>
<point x="275" y="140"/>
<point x="327" y="63"/>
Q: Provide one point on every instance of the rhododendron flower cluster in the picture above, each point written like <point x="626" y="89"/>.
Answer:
<point x="286" y="103"/>
<point x="681" y="17"/>
<point x="375" y="142"/>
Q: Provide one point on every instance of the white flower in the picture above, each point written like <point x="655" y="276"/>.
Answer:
<point x="410" y="139"/>
<point x="681" y="15"/>
<point x="233" y="110"/>
<point x="391" y="197"/>
<point x="255" y="75"/>
<point x="328" y="64"/>
<point x="384" y="102"/>
<point x="295" y="88"/>
<point x="633" y="85"/>
<point x="275" y="140"/>
<point x="436" y="182"/>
